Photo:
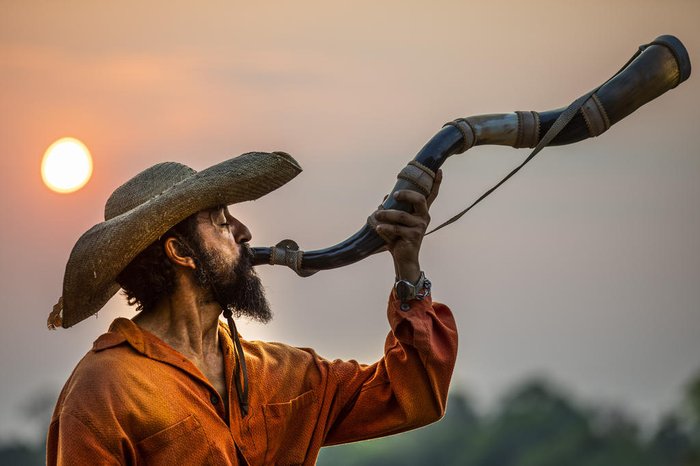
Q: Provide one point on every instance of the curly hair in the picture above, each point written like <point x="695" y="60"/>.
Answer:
<point x="150" y="276"/>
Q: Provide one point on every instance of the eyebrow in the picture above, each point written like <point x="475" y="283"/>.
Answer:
<point x="209" y="213"/>
<point x="214" y="210"/>
<point x="221" y="209"/>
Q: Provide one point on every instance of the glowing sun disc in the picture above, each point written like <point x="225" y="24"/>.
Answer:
<point x="66" y="166"/>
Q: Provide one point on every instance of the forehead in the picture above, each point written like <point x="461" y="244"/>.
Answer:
<point x="212" y="214"/>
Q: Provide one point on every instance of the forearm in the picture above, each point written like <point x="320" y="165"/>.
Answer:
<point x="409" y="270"/>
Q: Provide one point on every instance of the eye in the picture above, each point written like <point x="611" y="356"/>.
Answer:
<point x="218" y="218"/>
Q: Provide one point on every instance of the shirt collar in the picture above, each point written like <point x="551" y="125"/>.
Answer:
<point x="121" y="331"/>
<point x="126" y="331"/>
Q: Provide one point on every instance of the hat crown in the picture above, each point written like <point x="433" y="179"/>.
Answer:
<point x="145" y="186"/>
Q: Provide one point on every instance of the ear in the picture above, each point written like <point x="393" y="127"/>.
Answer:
<point x="174" y="250"/>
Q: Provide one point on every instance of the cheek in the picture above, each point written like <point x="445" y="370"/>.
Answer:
<point x="228" y="255"/>
<point x="229" y="239"/>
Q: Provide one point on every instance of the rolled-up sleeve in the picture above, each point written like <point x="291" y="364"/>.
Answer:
<point x="408" y="387"/>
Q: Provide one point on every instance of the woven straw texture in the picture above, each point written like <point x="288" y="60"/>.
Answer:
<point x="148" y="205"/>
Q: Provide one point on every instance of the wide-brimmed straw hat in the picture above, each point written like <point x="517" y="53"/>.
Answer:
<point x="144" y="208"/>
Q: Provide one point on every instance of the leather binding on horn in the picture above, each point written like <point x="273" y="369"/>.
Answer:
<point x="468" y="136"/>
<point x="597" y="120"/>
<point x="287" y="252"/>
<point x="528" y="129"/>
<point x="419" y="175"/>
<point x="656" y="68"/>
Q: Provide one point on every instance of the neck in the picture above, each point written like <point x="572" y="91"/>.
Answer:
<point x="186" y="321"/>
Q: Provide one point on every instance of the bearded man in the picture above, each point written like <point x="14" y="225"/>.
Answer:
<point x="175" y="385"/>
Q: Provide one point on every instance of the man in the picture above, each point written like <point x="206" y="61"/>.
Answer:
<point x="174" y="385"/>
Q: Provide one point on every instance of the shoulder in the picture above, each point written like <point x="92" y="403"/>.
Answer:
<point x="275" y="353"/>
<point x="111" y="358"/>
<point x="100" y="376"/>
<point x="285" y="369"/>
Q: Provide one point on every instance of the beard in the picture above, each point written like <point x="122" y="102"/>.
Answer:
<point x="238" y="288"/>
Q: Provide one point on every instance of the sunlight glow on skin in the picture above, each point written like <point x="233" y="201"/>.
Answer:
<point x="66" y="166"/>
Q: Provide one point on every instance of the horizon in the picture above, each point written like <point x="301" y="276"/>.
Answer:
<point x="583" y="268"/>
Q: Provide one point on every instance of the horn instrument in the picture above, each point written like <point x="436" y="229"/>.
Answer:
<point x="656" y="68"/>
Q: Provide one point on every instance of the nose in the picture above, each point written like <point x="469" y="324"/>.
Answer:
<point x="241" y="233"/>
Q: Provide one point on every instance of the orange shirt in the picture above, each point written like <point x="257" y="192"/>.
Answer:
<point x="134" y="400"/>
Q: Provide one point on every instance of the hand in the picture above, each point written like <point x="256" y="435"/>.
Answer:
<point x="404" y="231"/>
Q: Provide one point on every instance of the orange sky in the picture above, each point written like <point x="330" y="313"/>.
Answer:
<point x="584" y="267"/>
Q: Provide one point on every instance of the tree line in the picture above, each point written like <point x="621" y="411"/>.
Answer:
<point x="536" y="424"/>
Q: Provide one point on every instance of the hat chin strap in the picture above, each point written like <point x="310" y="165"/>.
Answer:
<point x="242" y="391"/>
<point x="241" y="367"/>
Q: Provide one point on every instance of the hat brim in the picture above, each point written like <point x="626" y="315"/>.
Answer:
<point x="107" y="248"/>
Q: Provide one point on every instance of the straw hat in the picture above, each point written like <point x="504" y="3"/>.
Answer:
<point x="148" y="205"/>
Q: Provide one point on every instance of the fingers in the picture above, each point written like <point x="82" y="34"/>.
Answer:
<point x="391" y="232"/>
<point x="393" y="224"/>
<point x="399" y="217"/>
<point x="402" y="231"/>
<point x="417" y="201"/>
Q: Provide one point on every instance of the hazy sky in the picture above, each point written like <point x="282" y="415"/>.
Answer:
<point x="584" y="268"/>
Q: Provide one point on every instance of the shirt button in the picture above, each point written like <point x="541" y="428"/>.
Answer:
<point x="214" y="399"/>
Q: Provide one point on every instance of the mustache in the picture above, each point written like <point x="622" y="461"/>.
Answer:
<point x="247" y="256"/>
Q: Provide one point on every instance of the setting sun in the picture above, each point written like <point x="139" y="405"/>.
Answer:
<point x="66" y="166"/>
